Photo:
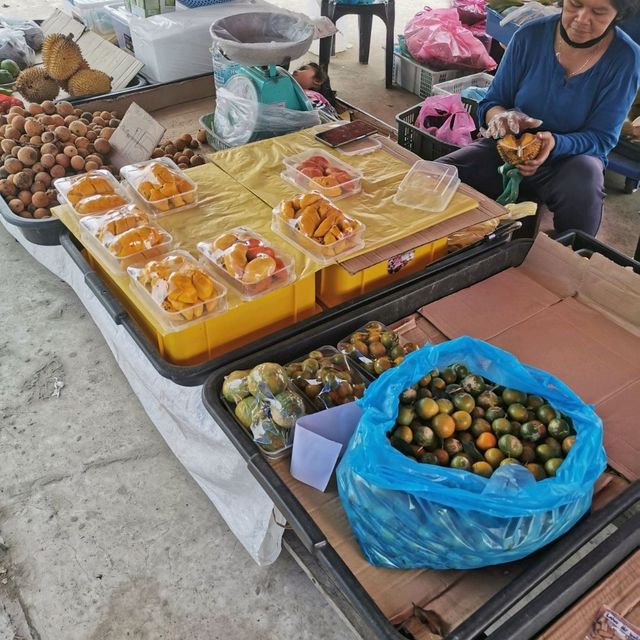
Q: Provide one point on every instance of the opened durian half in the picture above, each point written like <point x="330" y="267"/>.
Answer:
<point x="61" y="56"/>
<point x="35" y="85"/>
<point x="88" y="82"/>
<point x="516" y="150"/>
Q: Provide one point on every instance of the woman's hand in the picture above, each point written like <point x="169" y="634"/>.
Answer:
<point x="529" y="167"/>
<point x="501" y="122"/>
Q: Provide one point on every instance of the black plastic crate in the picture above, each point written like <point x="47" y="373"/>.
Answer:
<point x="196" y="374"/>
<point x="587" y="245"/>
<point x="393" y="306"/>
<point x="423" y="144"/>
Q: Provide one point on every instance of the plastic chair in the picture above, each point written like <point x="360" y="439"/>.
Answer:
<point x="626" y="164"/>
<point x="385" y="10"/>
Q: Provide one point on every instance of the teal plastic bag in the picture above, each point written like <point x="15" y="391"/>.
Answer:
<point x="406" y="514"/>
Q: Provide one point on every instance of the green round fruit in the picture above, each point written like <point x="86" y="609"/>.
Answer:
<point x="487" y="399"/>
<point x="438" y="384"/>
<point x="517" y="412"/>
<point x="235" y="386"/>
<point x="464" y="402"/>
<point x="533" y="402"/>
<point x="409" y="396"/>
<point x="501" y="427"/>
<point x="426" y="408"/>
<point x="461" y="461"/>
<point x="403" y="432"/>
<point x="382" y="364"/>
<point x="478" y="426"/>
<point x="507" y="461"/>
<point x="445" y="406"/>
<point x="477" y="412"/>
<point x="528" y="453"/>
<point x="424" y="436"/>
<point x="6" y="77"/>
<point x="452" y="446"/>
<point x="544" y="452"/>
<point x="389" y="339"/>
<point x="453" y="389"/>
<point x="267" y="380"/>
<point x="397" y="352"/>
<point x="545" y="413"/>
<point x="286" y="408"/>
<point x="510" y="445"/>
<point x="559" y="428"/>
<point x="428" y="458"/>
<point x="473" y="384"/>
<point x="449" y="375"/>
<point x="406" y="415"/>
<point x="425" y="381"/>
<point x="462" y="419"/>
<point x="493" y="413"/>
<point x="533" y="431"/>
<point x="460" y="369"/>
<point x="423" y="392"/>
<point x="10" y="66"/>
<point x="567" y="443"/>
<point x="556" y="447"/>
<point x="513" y="396"/>
<point x="515" y="428"/>
<point x="552" y="465"/>
<point x="245" y="410"/>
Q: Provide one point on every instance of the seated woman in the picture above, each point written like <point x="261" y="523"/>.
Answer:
<point x="317" y="87"/>
<point x="572" y="78"/>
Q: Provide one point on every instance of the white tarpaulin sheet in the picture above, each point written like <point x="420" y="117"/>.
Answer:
<point x="180" y="417"/>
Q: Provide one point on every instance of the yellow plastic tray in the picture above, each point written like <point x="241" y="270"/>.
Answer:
<point x="336" y="285"/>
<point x="221" y="333"/>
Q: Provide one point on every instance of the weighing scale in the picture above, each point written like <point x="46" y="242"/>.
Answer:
<point x="262" y="43"/>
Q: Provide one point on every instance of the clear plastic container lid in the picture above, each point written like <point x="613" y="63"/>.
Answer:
<point x="161" y="185"/>
<point x="317" y="227"/>
<point x="429" y="186"/>
<point x="93" y="193"/>
<point x="124" y="237"/>
<point x="316" y="170"/>
<point x="248" y="263"/>
<point x="178" y="289"/>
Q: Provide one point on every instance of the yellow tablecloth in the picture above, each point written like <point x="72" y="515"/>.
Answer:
<point x="258" y="167"/>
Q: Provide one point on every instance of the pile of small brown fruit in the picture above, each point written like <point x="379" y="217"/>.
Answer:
<point x="42" y="142"/>
<point x="458" y="419"/>
<point x="182" y="150"/>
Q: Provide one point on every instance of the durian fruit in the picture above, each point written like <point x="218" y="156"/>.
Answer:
<point x="64" y="84"/>
<point x="516" y="150"/>
<point x="35" y="85"/>
<point x="87" y="82"/>
<point x="61" y="56"/>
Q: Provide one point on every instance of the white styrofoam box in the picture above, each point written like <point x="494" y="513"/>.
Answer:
<point x="177" y="45"/>
<point x="120" y="19"/>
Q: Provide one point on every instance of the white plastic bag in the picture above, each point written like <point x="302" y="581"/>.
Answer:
<point x="33" y="34"/>
<point x="13" y="46"/>
<point x="526" y="13"/>
<point x="238" y="120"/>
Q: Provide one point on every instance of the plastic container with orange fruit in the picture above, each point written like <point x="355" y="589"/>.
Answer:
<point x="316" y="170"/>
<point x="92" y="193"/>
<point x="248" y="262"/>
<point x="123" y="237"/>
<point x="161" y="185"/>
<point x="178" y="289"/>
<point x="317" y="227"/>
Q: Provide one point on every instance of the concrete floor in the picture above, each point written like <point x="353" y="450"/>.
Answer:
<point x="104" y="535"/>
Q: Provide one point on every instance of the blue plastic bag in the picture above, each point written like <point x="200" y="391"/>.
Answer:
<point x="406" y="514"/>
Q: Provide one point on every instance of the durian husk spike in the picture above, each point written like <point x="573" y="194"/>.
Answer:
<point x="36" y="86"/>
<point x="87" y="82"/>
<point x="61" y="56"/>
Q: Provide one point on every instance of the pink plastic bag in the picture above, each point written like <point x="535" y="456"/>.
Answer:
<point x="446" y="118"/>
<point x="471" y="11"/>
<point x="437" y="38"/>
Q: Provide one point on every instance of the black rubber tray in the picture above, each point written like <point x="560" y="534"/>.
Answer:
<point x="393" y="306"/>
<point x="196" y="374"/>
<point x="43" y="232"/>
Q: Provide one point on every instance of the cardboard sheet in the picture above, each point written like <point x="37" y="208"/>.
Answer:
<point x="620" y="591"/>
<point x="575" y="317"/>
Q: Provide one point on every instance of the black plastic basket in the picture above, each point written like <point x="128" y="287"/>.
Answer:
<point x="423" y="144"/>
<point x="393" y="306"/>
<point x="587" y="245"/>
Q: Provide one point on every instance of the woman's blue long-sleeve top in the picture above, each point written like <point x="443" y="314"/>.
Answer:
<point x="585" y="113"/>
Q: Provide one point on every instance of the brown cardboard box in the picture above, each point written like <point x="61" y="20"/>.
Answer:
<point x="577" y="318"/>
<point x="620" y="591"/>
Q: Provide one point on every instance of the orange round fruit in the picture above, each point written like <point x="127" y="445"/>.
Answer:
<point x="494" y="457"/>
<point x="445" y="406"/>
<point x="444" y="425"/>
<point x="404" y="433"/>
<point x="486" y="441"/>
<point x="482" y="469"/>
<point x="426" y="408"/>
